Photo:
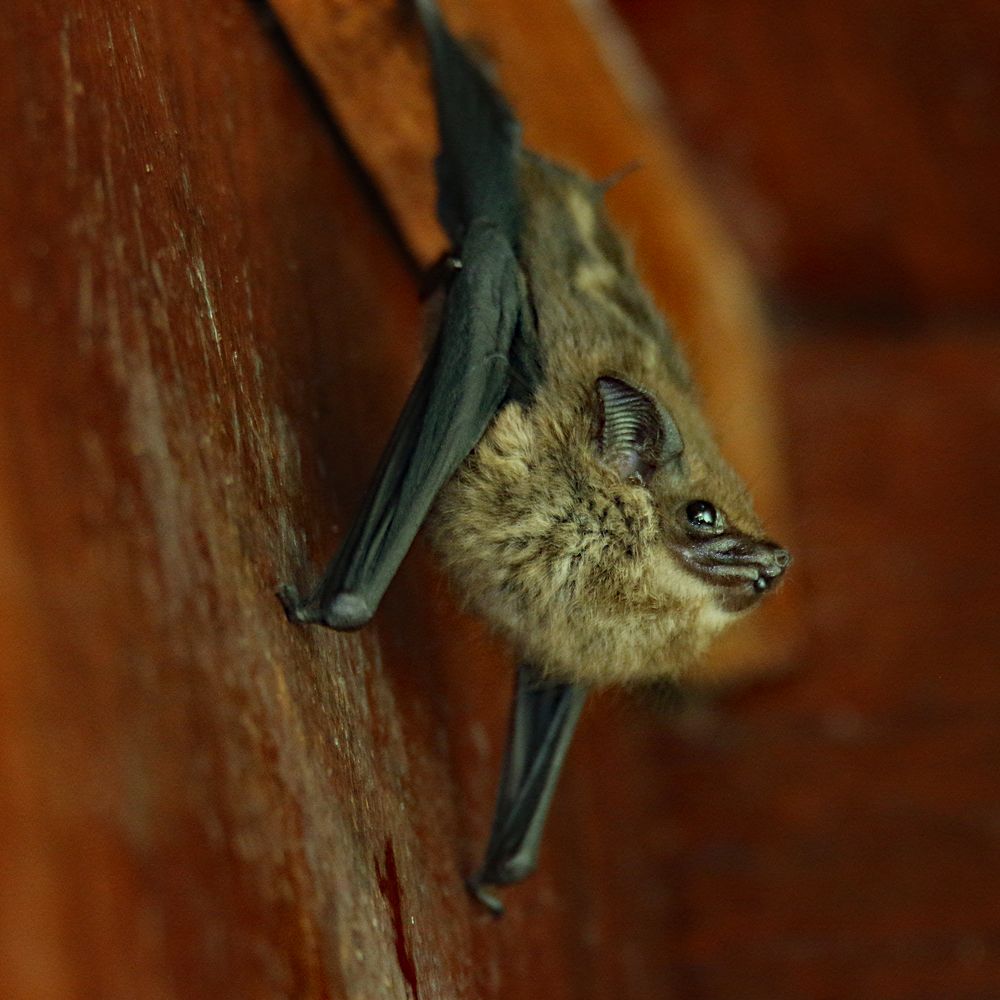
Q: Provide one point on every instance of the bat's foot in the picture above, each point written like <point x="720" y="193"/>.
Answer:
<point x="346" y="612"/>
<point x="479" y="891"/>
<point x="439" y="274"/>
<point x="297" y="611"/>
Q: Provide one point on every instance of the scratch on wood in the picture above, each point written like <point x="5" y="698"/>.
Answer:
<point x="249" y="292"/>
<point x="69" y="98"/>
<point x="85" y="299"/>
<point x="137" y="224"/>
<point x="200" y="273"/>
<point x="136" y="49"/>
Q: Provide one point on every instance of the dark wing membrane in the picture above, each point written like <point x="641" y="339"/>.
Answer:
<point x="480" y="139"/>
<point x="463" y="382"/>
<point x="478" y="169"/>
<point x="543" y="720"/>
<point x="486" y="341"/>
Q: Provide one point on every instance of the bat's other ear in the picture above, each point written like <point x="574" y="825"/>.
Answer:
<point x="635" y="434"/>
<point x="604" y="185"/>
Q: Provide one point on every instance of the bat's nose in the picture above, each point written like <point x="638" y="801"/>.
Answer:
<point x="780" y="558"/>
<point x="772" y="561"/>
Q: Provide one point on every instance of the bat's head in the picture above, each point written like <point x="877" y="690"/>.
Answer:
<point x="705" y="513"/>
<point x="601" y="531"/>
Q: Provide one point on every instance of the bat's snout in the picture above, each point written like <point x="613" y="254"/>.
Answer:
<point x="772" y="562"/>
<point x="745" y="567"/>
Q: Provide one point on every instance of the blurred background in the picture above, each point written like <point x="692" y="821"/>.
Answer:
<point x="838" y="833"/>
<point x="211" y="222"/>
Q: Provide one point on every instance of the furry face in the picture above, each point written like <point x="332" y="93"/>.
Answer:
<point x="594" y="577"/>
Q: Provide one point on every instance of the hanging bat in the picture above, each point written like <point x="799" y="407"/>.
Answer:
<point x="555" y="447"/>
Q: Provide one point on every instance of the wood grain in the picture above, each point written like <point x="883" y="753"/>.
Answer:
<point x="197" y="799"/>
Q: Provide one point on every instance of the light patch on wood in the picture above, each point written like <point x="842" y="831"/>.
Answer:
<point x="69" y="98"/>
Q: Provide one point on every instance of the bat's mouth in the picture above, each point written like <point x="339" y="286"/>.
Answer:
<point x="746" y="568"/>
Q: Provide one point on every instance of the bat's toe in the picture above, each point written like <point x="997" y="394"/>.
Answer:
<point x="295" y="608"/>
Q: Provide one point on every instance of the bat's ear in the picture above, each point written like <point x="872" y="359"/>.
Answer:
<point x="612" y="180"/>
<point x="635" y="434"/>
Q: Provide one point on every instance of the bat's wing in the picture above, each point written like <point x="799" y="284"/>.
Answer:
<point x="484" y="353"/>
<point x="463" y="382"/>
<point x="543" y="719"/>
<point x="480" y="138"/>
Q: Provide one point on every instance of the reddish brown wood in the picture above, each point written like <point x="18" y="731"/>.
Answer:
<point x="853" y="147"/>
<point x="206" y="335"/>
<point x="203" y="328"/>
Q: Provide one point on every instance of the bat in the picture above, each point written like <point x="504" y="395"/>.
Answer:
<point x="554" y="446"/>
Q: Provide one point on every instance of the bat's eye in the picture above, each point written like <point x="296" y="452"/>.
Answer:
<point x="703" y="516"/>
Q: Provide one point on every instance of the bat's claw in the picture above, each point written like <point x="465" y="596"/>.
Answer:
<point x="346" y="612"/>
<point x="480" y="892"/>
<point x="297" y="611"/>
<point x="439" y="274"/>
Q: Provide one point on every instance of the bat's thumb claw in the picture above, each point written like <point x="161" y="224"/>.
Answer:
<point x="347" y="611"/>
<point x="479" y="892"/>
<point x="296" y="610"/>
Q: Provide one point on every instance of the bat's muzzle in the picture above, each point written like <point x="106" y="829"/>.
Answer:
<point x="745" y="566"/>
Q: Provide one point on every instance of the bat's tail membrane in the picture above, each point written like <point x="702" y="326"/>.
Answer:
<point x="542" y="723"/>
<point x="480" y="138"/>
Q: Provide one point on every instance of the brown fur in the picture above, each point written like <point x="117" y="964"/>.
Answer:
<point x="574" y="566"/>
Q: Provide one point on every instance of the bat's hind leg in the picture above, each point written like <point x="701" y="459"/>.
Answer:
<point x="543" y="719"/>
<point x="439" y="274"/>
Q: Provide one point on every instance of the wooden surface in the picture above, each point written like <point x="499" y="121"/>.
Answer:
<point x="853" y="148"/>
<point x="197" y="800"/>
<point x="207" y="328"/>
